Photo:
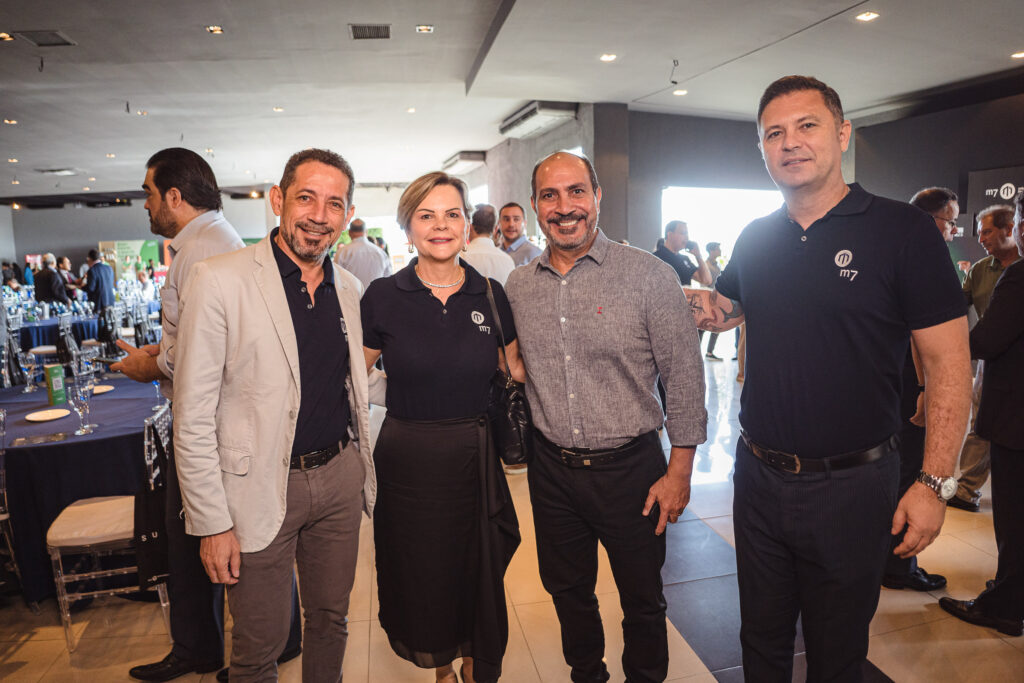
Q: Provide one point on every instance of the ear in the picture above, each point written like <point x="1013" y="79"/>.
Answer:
<point x="845" y="130"/>
<point x="348" y="219"/>
<point x="277" y="200"/>
<point x="173" y="198"/>
<point x="597" y="198"/>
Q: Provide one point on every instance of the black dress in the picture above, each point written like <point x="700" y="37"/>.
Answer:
<point x="444" y="525"/>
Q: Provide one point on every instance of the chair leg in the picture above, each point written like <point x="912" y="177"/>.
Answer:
<point x="62" y="598"/>
<point x="165" y="607"/>
<point x="8" y="533"/>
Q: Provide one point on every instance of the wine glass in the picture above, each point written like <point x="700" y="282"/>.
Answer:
<point x="79" y="403"/>
<point x="3" y="432"/>
<point x="27" y="361"/>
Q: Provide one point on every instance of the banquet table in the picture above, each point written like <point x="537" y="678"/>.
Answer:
<point x="44" y="332"/>
<point x="44" y="478"/>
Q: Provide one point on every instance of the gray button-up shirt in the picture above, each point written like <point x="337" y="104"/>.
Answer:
<point x="595" y="341"/>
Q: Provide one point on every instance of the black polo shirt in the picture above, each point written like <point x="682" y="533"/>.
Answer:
<point x="323" y="357"/>
<point x="439" y="358"/>
<point x="681" y="264"/>
<point x="829" y="312"/>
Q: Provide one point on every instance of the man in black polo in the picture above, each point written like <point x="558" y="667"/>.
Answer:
<point x="677" y="238"/>
<point x="851" y="279"/>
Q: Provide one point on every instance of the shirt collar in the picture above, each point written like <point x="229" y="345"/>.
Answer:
<point x="289" y="268"/>
<point x="598" y="250"/>
<point x="407" y="280"/>
<point x="515" y="245"/>
<point x="191" y="230"/>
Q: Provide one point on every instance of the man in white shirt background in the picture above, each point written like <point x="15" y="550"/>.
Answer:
<point x="361" y="257"/>
<point x="512" y="221"/>
<point x="487" y="259"/>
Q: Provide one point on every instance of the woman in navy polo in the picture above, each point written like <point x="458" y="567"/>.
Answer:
<point x="444" y="525"/>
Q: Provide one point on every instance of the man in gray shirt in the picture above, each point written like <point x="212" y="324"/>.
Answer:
<point x="598" y="323"/>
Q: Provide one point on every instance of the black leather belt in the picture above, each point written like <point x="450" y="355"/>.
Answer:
<point x="586" y="457"/>
<point x="788" y="462"/>
<point x="310" y="461"/>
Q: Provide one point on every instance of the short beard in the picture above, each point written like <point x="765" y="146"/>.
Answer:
<point x="570" y="244"/>
<point x="162" y="223"/>
<point x="304" y="251"/>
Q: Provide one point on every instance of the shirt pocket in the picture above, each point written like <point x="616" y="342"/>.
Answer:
<point x="234" y="461"/>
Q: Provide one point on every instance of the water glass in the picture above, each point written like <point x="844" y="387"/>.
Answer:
<point x="159" y="396"/>
<point x="27" y="361"/>
<point x="78" y="399"/>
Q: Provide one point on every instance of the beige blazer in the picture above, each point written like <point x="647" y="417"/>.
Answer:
<point x="237" y="393"/>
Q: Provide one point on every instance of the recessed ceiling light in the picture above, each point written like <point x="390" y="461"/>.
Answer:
<point x="16" y="206"/>
<point x="278" y="109"/>
<point x="1018" y="55"/>
<point x="209" y="150"/>
<point x="410" y="110"/>
<point x="266" y="180"/>
<point x="12" y="160"/>
<point x="424" y="28"/>
<point x="111" y="155"/>
<point x="10" y="122"/>
<point x="680" y="92"/>
<point x="142" y="112"/>
<point x="254" y="194"/>
<point x="867" y="16"/>
<point x="5" y="37"/>
<point x="92" y="180"/>
<point x="86" y="188"/>
<point x="608" y="57"/>
<point x="248" y="172"/>
<point x="15" y="182"/>
<point x="215" y="30"/>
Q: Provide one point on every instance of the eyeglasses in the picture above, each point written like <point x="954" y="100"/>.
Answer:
<point x="945" y="221"/>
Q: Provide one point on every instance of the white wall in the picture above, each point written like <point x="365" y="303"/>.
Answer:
<point x="7" y="247"/>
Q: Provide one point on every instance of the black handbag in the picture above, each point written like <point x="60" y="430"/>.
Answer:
<point x="508" y="411"/>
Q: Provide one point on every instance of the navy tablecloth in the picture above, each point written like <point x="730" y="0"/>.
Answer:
<point x="44" y="332"/>
<point x="43" y="479"/>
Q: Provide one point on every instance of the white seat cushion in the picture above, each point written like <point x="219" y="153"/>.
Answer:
<point x="45" y="350"/>
<point x="92" y="521"/>
<point x="127" y="331"/>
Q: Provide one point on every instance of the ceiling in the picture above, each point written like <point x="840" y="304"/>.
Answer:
<point x="76" y="105"/>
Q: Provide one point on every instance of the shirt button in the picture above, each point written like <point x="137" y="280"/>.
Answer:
<point x="285" y="462"/>
<point x="803" y="238"/>
<point x="564" y="283"/>
<point x="445" y="311"/>
<point x="572" y="395"/>
<point x="291" y="414"/>
<point x="563" y="320"/>
<point x="575" y="431"/>
<point x="309" y="306"/>
<point x="568" y="357"/>
<point x="303" y="290"/>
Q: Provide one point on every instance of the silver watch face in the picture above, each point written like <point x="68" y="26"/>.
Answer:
<point x="947" y="488"/>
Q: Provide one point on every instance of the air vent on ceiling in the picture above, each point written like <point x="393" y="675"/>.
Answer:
<point x="370" y="31"/>
<point x="46" y="38"/>
<point x="537" y="117"/>
<point x="57" y="171"/>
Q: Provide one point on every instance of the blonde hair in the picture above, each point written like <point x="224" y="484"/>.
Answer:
<point x="421" y="187"/>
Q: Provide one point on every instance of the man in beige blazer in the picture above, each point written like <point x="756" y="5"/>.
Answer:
<point x="271" y="422"/>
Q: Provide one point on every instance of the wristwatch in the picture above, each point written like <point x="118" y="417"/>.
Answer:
<point x="944" y="487"/>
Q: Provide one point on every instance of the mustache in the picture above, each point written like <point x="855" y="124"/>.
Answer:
<point x="312" y="226"/>
<point x="574" y="216"/>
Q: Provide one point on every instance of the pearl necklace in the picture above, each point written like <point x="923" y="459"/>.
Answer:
<point x="431" y="284"/>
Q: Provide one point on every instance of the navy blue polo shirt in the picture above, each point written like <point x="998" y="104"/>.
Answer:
<point x="323" y="357"/>
<point x="439" y="357"/>
<point x="681" y="264"/>
<point x="829" y="312"/>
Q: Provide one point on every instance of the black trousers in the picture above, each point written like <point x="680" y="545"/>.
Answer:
<point x="197" y="605"/>
<point x="810" y="545"/>
<point x="574" y="509"/>
<point x="1006" y="596"/>
<point x="911" y="461"/>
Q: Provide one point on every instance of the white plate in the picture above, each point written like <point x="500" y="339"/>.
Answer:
<point x="102" y="388"/>
<point x="47" y="415"/>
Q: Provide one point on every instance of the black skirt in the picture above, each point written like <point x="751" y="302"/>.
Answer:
<point x="444" y="530"/>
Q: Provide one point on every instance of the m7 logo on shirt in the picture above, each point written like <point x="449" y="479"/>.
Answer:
<point x="478" y="318"/>
<point x="843" y="259"/>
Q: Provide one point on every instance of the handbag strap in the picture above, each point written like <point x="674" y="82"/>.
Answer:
<point x="494" y="312"/>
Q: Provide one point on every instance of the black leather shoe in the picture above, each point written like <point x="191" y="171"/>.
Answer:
<point x="286" y="656"/>
<point x="917" y="580"/>
<point x="961" y="504"/>
<point x="967" y="611"/>
<point x="169" y="668"/>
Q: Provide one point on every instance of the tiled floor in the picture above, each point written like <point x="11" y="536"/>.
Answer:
<point x="911" y="638"/>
